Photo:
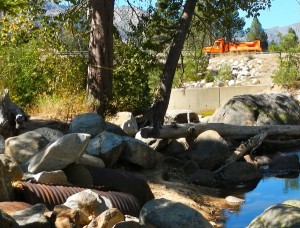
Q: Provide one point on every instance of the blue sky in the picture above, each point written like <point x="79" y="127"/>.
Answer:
<point x="281" y="13"/>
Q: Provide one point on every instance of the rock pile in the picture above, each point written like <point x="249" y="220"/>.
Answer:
<point x="67" y="179"/>
<point x="244" y="71"/>
<point x="50" y="178"/>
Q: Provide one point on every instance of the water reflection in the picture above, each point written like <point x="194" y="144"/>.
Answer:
<point x="269" y="191"/>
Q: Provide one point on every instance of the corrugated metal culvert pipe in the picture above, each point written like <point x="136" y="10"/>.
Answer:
<point x="51" y="195"/>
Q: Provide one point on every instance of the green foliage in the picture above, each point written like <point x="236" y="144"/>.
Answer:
<point x="133" y="68"/>
<point x="224" y="73"/>
<point x="256" y="32"/>
<point x="157" y="26"/>
<point x="222" y="17"/>
<point x="31" y="72"/>
<point x="288" y="73"/>
<point x="193" y="69"/>
<point x="9" y="5"/>
<point x="19" y="73"/>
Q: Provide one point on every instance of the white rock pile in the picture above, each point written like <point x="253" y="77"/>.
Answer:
<point x="244" y="71"/>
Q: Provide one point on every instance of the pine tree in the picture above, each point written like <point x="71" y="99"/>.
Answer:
<point x="293" y="33"/>
<point x="256" y="32"/>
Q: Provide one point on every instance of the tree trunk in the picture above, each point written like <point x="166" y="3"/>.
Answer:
<point x="225" y="130"/>
<point x="155" y="115"/>
<point x="99" y="84"/>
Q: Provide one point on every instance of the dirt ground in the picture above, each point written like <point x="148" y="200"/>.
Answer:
<point x="203" y="199"/>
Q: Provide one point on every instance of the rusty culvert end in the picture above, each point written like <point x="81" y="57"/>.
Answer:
<point x="51" y="195"/>
<point x="122" y="181"/>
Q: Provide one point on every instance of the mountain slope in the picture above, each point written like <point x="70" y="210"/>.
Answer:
<point x="272" y="32"/>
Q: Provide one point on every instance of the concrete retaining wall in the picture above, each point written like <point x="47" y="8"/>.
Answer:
<point x="202" y="100"/>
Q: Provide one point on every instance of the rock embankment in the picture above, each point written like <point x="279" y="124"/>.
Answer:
<point x="239" y="70"/>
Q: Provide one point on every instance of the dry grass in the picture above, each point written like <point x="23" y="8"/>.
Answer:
<point x="63" y="109"/>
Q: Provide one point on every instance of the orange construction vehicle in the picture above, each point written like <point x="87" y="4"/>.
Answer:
<point x="220" y="46"/>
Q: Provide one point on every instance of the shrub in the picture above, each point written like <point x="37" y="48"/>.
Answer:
<point x="224" y="73"/>
<point x="29" y="72"/>
<point x="132" y="70"/>
<point x="194" y="69"/>
<point x="288" y="73"/>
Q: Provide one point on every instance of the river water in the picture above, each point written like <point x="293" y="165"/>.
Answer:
<point x="269" y="191"/>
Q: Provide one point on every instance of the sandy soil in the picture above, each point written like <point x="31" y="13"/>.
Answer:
<point x="203" y="199"/>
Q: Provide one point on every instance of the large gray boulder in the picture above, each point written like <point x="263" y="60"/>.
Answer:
<point x="139" y="153"/>
<point x="90" y="123"/>
<point x="258" y="110"/>
<point x="24" y="146"/>
<point x="107" y="146"/>
<point x="90" y="160"/>
<point x="209" y="150"/>
<point x="61" y="153"/>
<point x="51" y="134"/>
<point x="169" y="214"/>
<point x="280" y="215"/>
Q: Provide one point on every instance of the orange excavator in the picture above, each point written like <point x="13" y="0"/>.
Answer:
<point x="220" y="46"/>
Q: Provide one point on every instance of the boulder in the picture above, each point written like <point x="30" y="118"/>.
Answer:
<point x="2" y="144"/>
<point x="6" y="193"/>
<point x="89" y="123"/>
<point x="139" y="153"/>
<point x="202" y="177"/>
<point x="166" y="213"/>
<point x="279" y="215"/>
<point x="234" y="201"/>
<point x="258" y="110"/>
<point x="10" y="207"/>
<point x="181" y="116"/>
<point x="107" y="146"/>
<point x="6" y="221"/>
<point x="68" y="217"/>
<point x="115" y="129"/>
<point x="295" y="203"/>
<point x="175" y="148"/>
<point x="32" y="217"/>
<point x="284" y="162"/>
<point x="90" y="160"/>
<point x="108" y="218"/>
<point x="57" y="177"/>
<point x="51" y="134"/>
<point x="209" y="150"/>
<point x="237" y="172"/>
<point x="88" y="202"/>
<point x="24" y="146"/>
<point x="12" y="167"/>
<point x="127" y="122"/>
<point x="155" y="144"/>
<point x="58" y="155"/>
<point x="190" y="167"/>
